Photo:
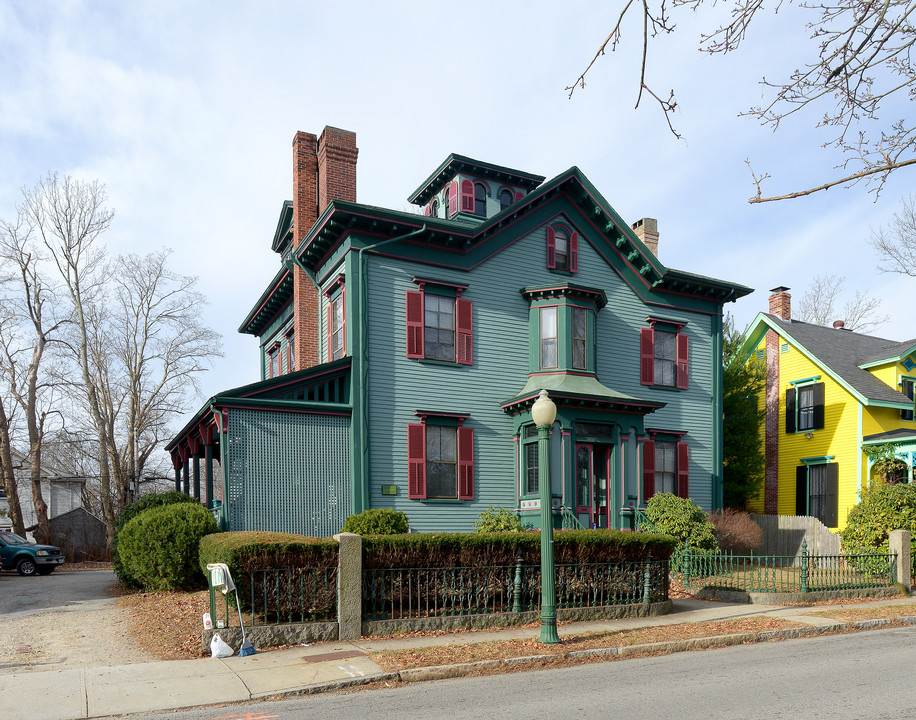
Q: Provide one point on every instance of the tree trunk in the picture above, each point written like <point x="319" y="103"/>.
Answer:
<point x="10" y="486"/>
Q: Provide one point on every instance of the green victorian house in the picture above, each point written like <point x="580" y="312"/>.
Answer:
<point x="400" y="355"/>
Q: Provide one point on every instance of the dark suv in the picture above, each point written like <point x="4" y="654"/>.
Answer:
<point x="27" y="557"/>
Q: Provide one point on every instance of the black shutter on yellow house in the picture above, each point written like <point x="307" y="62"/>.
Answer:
<point x="819" y="409"/>
<point x="790" y="411"/>
<point x="831" y="501"/>
<point x="801" y="489"/>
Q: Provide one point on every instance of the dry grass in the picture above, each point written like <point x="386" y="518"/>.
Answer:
<point x="855" y="614"/>
<point x="167" y="625"/>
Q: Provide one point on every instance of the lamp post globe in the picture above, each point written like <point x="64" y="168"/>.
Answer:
<point x="544" y="412"/>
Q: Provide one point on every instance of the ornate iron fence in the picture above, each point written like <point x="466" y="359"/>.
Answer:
<point x="783" y="573"/>
<point x="277" y="596"/>
<point x="403" y="593"/>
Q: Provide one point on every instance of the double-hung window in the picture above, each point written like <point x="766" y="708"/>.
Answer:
<point x="817" y="491"/>
<point x="562" y="249"/>
<point x="666" y="465"/>
<point x="548" y="337"/>
<point x="440" y="452"/>
<point x="336" y="327"/>
<point x="439" y="323"/>
<point x="805" y="407"/>
<point x="906" y="387"/>
<point x="664" y="354"/>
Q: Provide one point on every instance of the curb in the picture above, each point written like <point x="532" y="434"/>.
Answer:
<point x="444" y="672"/>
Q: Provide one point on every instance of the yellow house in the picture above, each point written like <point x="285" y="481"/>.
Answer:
<point x="830" y="394"/>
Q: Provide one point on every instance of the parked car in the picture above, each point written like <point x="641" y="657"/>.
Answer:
<point x="26" y="557"/>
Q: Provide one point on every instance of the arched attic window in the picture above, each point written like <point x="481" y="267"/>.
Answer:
<point x="480" y="199"/>
<point x="505" y="198"/>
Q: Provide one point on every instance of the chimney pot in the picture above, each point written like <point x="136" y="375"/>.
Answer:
<point x="838" y="324"/>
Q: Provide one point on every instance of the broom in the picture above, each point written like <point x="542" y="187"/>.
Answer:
<point x="246" y="648"/>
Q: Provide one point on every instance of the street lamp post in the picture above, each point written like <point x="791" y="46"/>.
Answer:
<point x="544" y="412"/>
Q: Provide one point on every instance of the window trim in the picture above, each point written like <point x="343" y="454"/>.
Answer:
<point x="908" y="415"/>
<point x="817" y="409"/>
<point x="681" y="354"/>
<point x="682" y="455"/>
<point x="572" y="252"/>
<point x="415" y="321"/>
<point x="290" y="336"/>
<point x="831" y="494"/>
<point x="417" y="456"/>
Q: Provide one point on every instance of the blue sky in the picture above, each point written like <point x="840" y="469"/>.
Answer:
<point x="186" y="112"/>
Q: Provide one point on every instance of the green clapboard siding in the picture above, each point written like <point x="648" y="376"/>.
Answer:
<point x="288" y="472"/>
<point x="399" y="387"/>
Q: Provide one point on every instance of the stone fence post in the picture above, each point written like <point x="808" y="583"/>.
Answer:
<point x="899" y="542"/>
<point x="349" y="586"/>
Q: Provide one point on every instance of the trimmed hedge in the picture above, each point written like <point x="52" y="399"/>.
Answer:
<point x="683" y="519"/>
<point x="161" y="546"/>
<point x="129" y="513"/>
<point x="503" y="548"/>
<point x="377" y="521"/>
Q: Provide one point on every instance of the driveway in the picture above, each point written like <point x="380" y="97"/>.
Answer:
<point x="63" y="620"/>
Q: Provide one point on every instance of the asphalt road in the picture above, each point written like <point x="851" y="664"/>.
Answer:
<point x="58" y="591"/>
<point x="841" y="677"/>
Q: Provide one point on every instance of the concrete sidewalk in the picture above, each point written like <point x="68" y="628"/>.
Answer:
<point x="146" y="687"/>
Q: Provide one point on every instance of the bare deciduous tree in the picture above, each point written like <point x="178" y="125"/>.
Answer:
<point x="861" y="58"/>
<point x="896" y="244"/>
<point x="819" y="306"/>
<point x="70" y="216"/>
<point x="31" y="324"/>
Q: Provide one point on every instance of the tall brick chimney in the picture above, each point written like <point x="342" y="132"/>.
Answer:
<point x="781" y="302"/>
<point x="324" y="169"/>
<point x="647" y="231"/>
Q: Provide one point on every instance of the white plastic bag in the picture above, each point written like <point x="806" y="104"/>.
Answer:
<point x="219" y="649"/>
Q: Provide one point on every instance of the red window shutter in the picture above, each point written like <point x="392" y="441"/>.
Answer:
<point x="426" y="211"/>
<point x="519" y="195"/>
<point x="574" y="252"/>
<point x="647" y="356"/>
<point x="416" y="461"/>
<point x="683" y="466"/>
<point x="415" y="324"/>
<point x="465" y="463"/>
<point x="343" y="322"/>
<point x="682" y="363"/>
<point x="453" y="198"/>
<point x="464" y="327"/>
<point x="467" y="196"/>
<point x="648" y="469"/>
<point x="330" y="330"/>
<point x="551" y="248"/>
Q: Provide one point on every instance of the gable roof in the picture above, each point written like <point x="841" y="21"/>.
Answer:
<point x="470" y="243"/>
<point x="840" y="353"/>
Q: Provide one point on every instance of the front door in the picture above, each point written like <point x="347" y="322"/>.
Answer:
<point x="593" y="464"/>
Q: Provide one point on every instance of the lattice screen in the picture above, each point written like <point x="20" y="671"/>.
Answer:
<point x="288" y="472"/>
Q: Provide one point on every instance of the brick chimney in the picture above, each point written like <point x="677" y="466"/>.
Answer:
<point x="647" y="231"/>
<point x="324" y="169"/>
<point x="781" y="302"/>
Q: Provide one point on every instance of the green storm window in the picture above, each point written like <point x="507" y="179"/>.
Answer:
<point x="548" y="336"/>
<point x="531" y="468"/>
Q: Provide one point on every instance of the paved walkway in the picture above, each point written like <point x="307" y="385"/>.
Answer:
<point x="126" y="689"/>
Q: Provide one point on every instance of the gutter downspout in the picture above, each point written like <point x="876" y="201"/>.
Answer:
<point x="361" y="395"/>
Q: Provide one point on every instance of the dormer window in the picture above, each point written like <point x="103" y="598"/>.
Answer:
<point x="505" y="198"/>
<point x="480" y="199"/>
<point x="434" y="208"/>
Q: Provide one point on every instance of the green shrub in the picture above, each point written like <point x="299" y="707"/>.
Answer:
<point x="129" y="513"/>
<point x="378" y="521"/>
<point x="160" y="547"/>
<point x="495" y="519"/>
<point x="883" y="508"/>
<point x="683" y="519"/>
